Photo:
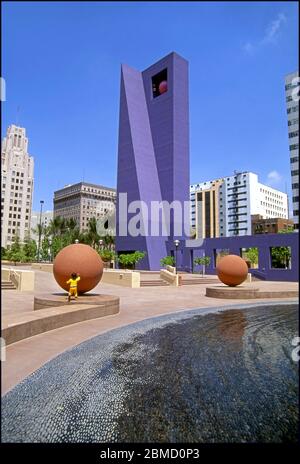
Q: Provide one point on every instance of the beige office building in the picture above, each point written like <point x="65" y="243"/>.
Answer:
<point x="207" y="209"/>
<point x="223" y="207"/>
<point x="17" y="185"/>
<point x="83" y="201"/>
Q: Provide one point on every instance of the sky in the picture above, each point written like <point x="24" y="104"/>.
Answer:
<point x="61" y="64"/>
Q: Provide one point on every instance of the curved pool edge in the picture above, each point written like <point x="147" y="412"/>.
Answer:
<point x="154" y="318"/>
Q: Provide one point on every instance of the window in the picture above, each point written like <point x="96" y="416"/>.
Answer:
<point x="295" y="146"/>
<point x="292" y="122"/>
<point x="293" y="109"/>
<point x="160" y="83"/>
<point x="294" y="134"/>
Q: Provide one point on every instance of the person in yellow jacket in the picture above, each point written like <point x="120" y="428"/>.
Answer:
<point x="73" y="285"/>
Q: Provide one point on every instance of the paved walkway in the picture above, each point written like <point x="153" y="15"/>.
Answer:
<point x="24" y="357"/>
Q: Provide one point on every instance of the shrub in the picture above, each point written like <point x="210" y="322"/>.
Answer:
<point x="168" y="261"/>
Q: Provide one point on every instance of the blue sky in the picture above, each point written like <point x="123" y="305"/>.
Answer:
<point x="61" y="62"/>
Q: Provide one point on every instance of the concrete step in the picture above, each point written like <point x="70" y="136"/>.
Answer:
<point x="184" y="281"/>
<point x="7" y="285"/>
<point x="154" y="283"/>
<point x="197" y="281"/>
<point x="16" y="327"/>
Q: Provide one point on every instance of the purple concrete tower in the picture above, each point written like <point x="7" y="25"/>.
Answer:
<point x="153" y="153"/>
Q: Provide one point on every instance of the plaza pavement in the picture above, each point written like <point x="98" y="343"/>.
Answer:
<point x="25" y="356"/>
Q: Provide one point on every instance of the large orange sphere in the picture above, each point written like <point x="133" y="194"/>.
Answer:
<point x="83" y="260"/>
<point x="232" y="270"/>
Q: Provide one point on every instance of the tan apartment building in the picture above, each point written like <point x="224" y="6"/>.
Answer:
<point x="207" y="209"/>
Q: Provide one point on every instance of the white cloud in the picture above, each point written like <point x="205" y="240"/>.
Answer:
<point x="274" y="178"/>
<point x="272" y="30"/>
<point x="270" y="36"/>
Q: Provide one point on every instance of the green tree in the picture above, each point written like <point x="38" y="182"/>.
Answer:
<point x="16" y="253"/>
<point x="129" y="260"/>
<point x="3" y="252"/>
<point x="202" y="261"/>
<point x="107" y="255"/>
<point x="92" y="237"/>
<point x="57" y="245"/>
<point x="280" y="257"/>
<point x="288" y="230"/>
<point x="252" y="255"/>
<point x="168" y="261"/>
<point x="55" y="226"/>
<point x="30" y="249"/>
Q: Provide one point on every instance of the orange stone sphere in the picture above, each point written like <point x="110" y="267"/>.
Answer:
<point x="232" y="270"/>
<point x="83" y="260"/>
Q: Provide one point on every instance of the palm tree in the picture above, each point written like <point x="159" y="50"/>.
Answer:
<point x="55" y="226"/>
<point x="71" y="224"/>
<point x="109" y="241"/>
<point x="92" y="235"/>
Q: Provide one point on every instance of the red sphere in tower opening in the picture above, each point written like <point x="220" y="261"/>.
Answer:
<point x="163" y="87"/>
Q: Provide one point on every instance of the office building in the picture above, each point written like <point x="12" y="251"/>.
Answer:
<point x="270" y="226"/>
<point x="17" y="168"/>
<point x="223" y="207"/>
<point x="82" y="201"/>
<point x="292" y="104"/>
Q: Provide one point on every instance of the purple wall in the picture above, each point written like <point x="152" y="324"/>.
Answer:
<point x="263" y="242"/>
<point x="153" y="151"/>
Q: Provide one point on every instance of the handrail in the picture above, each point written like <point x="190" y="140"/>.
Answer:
<point x="14" y="277"/>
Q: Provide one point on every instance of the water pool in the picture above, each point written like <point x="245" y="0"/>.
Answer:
<point x="223" y="376"/>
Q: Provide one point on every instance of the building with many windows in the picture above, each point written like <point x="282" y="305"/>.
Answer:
<point x="270" y="226"/>
<point x="223" y="207"/>
<point x="292" y="104"/>
<point x="83" y="201"/>
<point x="17" y="185"/>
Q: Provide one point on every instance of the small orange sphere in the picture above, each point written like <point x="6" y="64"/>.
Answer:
<point x="232" y="270"/>
<point x="83" y="260"/>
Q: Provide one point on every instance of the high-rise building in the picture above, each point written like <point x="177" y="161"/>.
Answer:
<point x="292" y="104"/>
<point x="83" y="201"/>
<point x="17" y="185"/>
<point x="223" y="207"/>
<point x="36" y="218"/>
<point x="205" y="209"/>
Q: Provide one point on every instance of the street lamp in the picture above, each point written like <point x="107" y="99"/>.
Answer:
<point x="176" y="243"/>
<point x="49" y="250"/>
<point x="40" y="230"/>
